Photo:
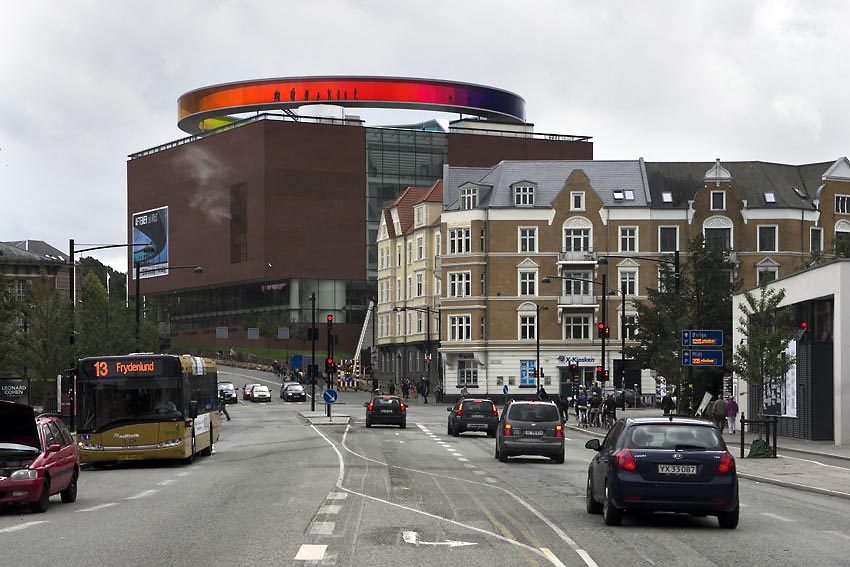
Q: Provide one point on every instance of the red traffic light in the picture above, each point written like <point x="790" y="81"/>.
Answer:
<point x="804" y="325"/>
<point x="330" y="318"/>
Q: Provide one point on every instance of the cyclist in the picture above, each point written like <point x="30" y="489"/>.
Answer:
<point x="276" y="368"/>
<point x="595" y="405"/>
<point x="581" y="408"/>
<point x="609" y="411"/>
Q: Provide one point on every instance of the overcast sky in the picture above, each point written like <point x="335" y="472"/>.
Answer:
<point x="84" y="84"/>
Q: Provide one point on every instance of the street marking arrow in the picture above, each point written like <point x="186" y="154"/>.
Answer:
<point x="413" y="538"/>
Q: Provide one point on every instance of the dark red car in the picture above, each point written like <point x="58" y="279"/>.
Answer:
<point x="38" y="458"/>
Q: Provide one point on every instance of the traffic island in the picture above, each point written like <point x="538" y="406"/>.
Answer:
<point x="321" y="418"/>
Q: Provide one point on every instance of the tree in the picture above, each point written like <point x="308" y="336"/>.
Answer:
<point x="10" y="331"/>
<point x="117" y="281"/>
<point x="767" y="332"/>
<point x="45" y="348"/>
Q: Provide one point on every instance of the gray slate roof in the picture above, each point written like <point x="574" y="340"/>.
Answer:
<point x="30" y="252"/>
<point x="750" y="178"/>
<point x="549" y="178"/>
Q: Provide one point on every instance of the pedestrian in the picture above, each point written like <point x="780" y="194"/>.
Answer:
<point x="464" y="393"/>
<point x="424" y="390"/>
<point x="667" y="403"/>
<point x="718" y="412"/>
<point x="542" y="395"/>
<point x="731" y="413"/>
<point x="391" y="388"/>
<point x="564" y="406"/>
<point x="405" y="389"/>
<point x="222" y="404"/>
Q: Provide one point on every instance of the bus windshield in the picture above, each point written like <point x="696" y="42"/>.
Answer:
<point x="114" y="401"/>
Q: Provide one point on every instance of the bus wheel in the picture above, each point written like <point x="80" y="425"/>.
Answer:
<point x="191" y="458"/>
<point x="208" y="451"/>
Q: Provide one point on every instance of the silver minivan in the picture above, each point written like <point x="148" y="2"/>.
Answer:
<point x="530" y="428"/>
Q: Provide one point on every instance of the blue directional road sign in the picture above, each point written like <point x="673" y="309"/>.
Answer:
<point x="330" y="396"/>
<point x="505" y="389"/>
<point x="702" y="338"/>
<point x="702" y="357"/>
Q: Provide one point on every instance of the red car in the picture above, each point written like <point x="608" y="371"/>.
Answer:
<point x="38" y="458"/>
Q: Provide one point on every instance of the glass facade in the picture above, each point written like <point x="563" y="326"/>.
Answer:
<point x="396" y="160"/>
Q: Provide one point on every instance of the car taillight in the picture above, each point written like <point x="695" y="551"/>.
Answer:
<point x="625" y="460"/>
<point x="371" y="404"/>
<point x="727" y="463"/>
<point x="460" y="411"/>
<point x="403" y="408"/>
<point x="507" y="430"/>
<point x="495" y="412"/>
<point x="559" y="430"/>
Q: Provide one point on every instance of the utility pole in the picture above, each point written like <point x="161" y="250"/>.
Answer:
<point x="604" y="319"/>
<point x="314" y="334"/>
<point x="330" y="371"/>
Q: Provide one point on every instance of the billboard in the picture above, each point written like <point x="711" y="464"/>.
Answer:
<point x="780" y="393"/>
<point x="150" y="228"/>
<point x="15" y="390"/>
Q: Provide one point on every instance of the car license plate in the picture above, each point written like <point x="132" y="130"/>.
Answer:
<point x="131" y="457"/>
<point x="386" y="411"/>
<point x="534" y="433"/>
<point x="476" y="426"/>
<point x="677" y="469"/>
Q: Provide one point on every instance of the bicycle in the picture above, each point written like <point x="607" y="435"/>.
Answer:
<point x="581" y="416"/>
<point x="608" y="419"/>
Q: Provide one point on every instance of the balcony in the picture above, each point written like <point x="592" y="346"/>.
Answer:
<point x="577" y="257"/>
<point x="577" y="300"/>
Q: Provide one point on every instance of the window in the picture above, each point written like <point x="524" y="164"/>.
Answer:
<point x="436" y="289"/>
<point x="667" y="196"/>
<point x="420" y="216"/>
<point x="816" y="240"/>
<point x="460" y="284"/>
<point x="577" y="201"/>
<point x="528" y="283"/>
<point x="409" y="252"/>
<point x="409" y="287"/>
<point x="528" y="239"/>
<point x="398" y="329"/>
<point x="719" y="237"/>
<point x="483" y="284"/>
<point x="767" y="238"/>
<point x="628" y="281"/>
<point x="630" y="195"/>
<point x="576" y="240"/>
<point x="718" y="200"/>
<point x="767" y="274"/>
<point x="19" y="289"/>
<point x="528" y="327"/>
<point x="398" y="289"/>
<point x="410" y="317"/>
<point x="524" y="195"/>
<point x="482" y="240"/>
<point x="769" y="197"/>
<point x="460" y="327"/>
<point x="842" y="204"/>
<point x="420" y="247"/>
<point x="467" y="374"/>
<point x="577" y="283"/>
<point x="398" y="256"/>
<point x="628" y="239"/>
<point x="482" y="327"/>
<point x="577" y="327"/>
<point x="468" y="198"/>
<point x="420" y="318"/>
<point x="629" y="327"/>
<point x="619" y="195"/>
<point x="526" y="373"/>
<point x="668" y="238"/>
<point x="437" y="239"/>
<point x="459" y="241"/>
<point x="420" y="284"/>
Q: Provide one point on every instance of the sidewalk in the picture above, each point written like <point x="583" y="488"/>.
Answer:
<point x="786" y="470"/>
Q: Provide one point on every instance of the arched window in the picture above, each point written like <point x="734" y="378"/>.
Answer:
<point x="718" y="231"/>
<point x="578" y="235"/>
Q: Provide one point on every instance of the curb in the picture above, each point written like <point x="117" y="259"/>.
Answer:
<point x="803" y="451"/>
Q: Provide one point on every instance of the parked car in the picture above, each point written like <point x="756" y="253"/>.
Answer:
<point x="530" y="428"/>
<point x="662" y="465"/>
<point x="38" y="458"/>
<point x="292" y="392"/>
<point x="473" y="415"/>
<point x="260" y="393"/>
<point x="229" y="392"/>
<point x="246" y="391"/>
<point x="386" y="410"/>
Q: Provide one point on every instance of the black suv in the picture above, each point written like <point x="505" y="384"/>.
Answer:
<point x="473" y="415"/>
<point x="228" y="391"/>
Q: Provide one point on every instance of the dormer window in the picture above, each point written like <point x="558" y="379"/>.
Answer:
<point x="718" y="200"/>
<point x="769" y="197"/>
<point x="577" y="201"/>
<point x="630" y="195"/>
<point x="468" y="198"/>
<point x="524" y="195"/>
<point x="420" y="216"/>
<point x="667" y="197"/>
<point x="842" y="204"/>
<point x="619" y="195"/>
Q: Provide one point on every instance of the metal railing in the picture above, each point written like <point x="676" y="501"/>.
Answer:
<point x="768" y="425"/>
<point x="519" y="134"/>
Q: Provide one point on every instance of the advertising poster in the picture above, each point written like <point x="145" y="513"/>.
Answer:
<point x="15" y="390"/>
<point x="150" y="228"/>
<point x="780" y="393"/>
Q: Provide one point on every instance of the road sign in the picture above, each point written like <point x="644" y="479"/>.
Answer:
<point x="702" y="357"/>
<point x="702" y="338"/>
<point x="505" y="390"/>
<point x="329" y="396"/>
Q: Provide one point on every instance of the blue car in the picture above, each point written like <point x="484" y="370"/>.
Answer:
<point x="662" y="465"/>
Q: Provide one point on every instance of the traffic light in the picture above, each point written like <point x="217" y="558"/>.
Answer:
<point x="330" y="321"/>
<point x="330" y="366"/>
<point x="600" y="330"/>
<point x="607" y="331"/>
<point x="605" y="375"/>
<point x="800" y="330"/>
<point x="573" y="370"/>
<point x="599" y="375"/>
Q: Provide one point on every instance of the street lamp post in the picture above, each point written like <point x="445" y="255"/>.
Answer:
<point x="139" y="272"/>
<point x="537" y="369"/>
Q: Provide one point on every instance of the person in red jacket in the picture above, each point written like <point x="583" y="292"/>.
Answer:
<point x="731" y="413"/>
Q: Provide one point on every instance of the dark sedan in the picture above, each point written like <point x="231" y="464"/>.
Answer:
<point x="662" y="465"/>
<point x="293" y="392"/>
<point x="473" y="415"/>
<point x="228" y="392"/>
<point x="386" y="410"/>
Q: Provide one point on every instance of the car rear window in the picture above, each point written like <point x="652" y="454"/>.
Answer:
<point x="296" y="388"/>
<point x="259" y="389"/>
<point x="390" y="403"/>
<point x="482" y="406"/>
<point x="674" y="436"/>
<point x="533" y="412"/>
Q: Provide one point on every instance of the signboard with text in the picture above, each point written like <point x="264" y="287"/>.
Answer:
<point x="702" y="338"/>
<point x="702" y="357"/>
<point x="15" y="390"/>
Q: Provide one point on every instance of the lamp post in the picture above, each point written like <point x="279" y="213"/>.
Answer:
<point x="139" y="272"/>
<point x="537" y="338"/>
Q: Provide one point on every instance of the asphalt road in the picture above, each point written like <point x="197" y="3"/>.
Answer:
<point x="279" y="491"/>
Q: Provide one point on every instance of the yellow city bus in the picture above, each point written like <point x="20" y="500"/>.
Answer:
<point x="146" y="406"/>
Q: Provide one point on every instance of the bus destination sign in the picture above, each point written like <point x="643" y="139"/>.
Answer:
<point x="123" y="368"/>
<point x="702" y="338"/>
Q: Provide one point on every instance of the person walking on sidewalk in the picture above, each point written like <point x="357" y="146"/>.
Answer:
<point x="718" y="412"/>
<point x="667" y="403"/>
<point x="731" y="413"/>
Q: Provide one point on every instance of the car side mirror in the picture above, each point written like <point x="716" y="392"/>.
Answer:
<point x="55" y="448"/>
<point x="448" y="409"/>
<point x="365" y="404"/>
<point x="592" y="444"/>
<point x="193" y="409"/>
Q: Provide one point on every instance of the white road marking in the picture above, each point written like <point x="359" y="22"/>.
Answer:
<point x="490" y="479"/>
<point x="166" y="482"/>
<point x="100" y="507"/>
<point x="311" y="552"/>
<point x="470" y="466"/>
<point x="184" y="473"/>
<point x="337" y="496"/>
<point x="552" y="557"/>
<point x="22" y="526"/>
<point x="463" y="460"/>
<point x="815" y="462"/>
<point x="322" y="528"/>
<point x="329" y="509"/>
<point x="777" y="517"/>
<point x="839" y="534"/>
<point x="483" y="472"/>
<point x="413" y="538"/>
<point x="142" y="494"/>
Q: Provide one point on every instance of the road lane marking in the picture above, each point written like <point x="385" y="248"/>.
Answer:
<point x="483" y="472"/>
<point x="337" y="496"/>
<point x="309" y="552"/>
<point x="99" y="507"/>
<point x="490" y="479"/>
<point x="22" y="526"/>
<point x="839" y="534"/>
<point x="552" y="557"/>
<point x="470" y="466"/>
<point x="184" y="473"/>
<point x="815" y="462"/>
<point x="777" y="517"/>
<point x="144" y="494"/>
<point x="166" y="482"/>
<point x="330" y="509"/>
<point x="413" y="538"/>
<point x="322" y="528"/>
<point x="463" y="460"/>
